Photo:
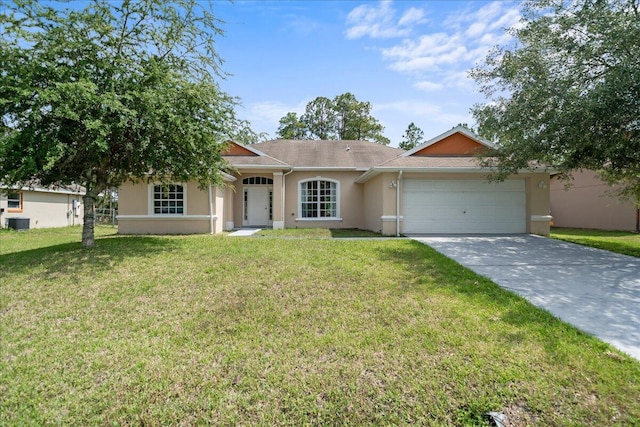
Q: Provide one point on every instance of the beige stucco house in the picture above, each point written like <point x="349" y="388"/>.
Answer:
<point x="43" y="207"/>
<point x="588" y="203"/>
<point x="437" y="187"/>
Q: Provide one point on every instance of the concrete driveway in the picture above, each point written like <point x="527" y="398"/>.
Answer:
<point x="595" y="290"/>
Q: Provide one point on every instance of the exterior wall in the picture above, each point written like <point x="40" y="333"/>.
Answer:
<point x="373" y="200"/>
<point x="278" y="201"/>
<point x="456" y="144"/>
<point x="135" y="216"/>
<point x="538" y="203"/>
<point x="536" y="188"/>
<point x="228" y="207"/>
<point x="369" y="206"/>
<point x="44" y="209"/>
<point x="380" y="204"/>
<point x="586" y="205"/>
<point x="351" y="200"/>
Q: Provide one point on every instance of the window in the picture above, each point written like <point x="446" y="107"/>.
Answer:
<point x="257" y="180"/>
<point x="318" y="199"/>
<point x="168" y="199"/>
<point x="14" y="202"/>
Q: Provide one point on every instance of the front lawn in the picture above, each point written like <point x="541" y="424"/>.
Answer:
<point x="318" y="233"/>
<point x="278" y="331"/>
<point x="622" y="242"/>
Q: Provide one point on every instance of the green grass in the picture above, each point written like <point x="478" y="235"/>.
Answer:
<point x="318" y="233"/>
<point x="622" y="242"/>
<point x="271" y="331"/>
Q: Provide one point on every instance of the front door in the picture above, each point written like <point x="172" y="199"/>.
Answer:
<point x="258" y="206"/>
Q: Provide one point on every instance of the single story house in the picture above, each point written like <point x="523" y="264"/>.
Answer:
<point x="588" y="203"/>
<point x="42" y="207"/>
<point x="436" y="187"/>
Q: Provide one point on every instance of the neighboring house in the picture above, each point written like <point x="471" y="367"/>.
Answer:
<point x="588" y="204"/>
<point x="43" y="207"/>
<point x="436" y="187"/>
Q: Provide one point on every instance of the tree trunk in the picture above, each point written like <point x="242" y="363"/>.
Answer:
<point x="88" y="227"/>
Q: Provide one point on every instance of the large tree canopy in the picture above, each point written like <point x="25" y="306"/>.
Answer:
<point x="567" y="92"/>
<point x="113" y="92"/>
<point x="343" y="117"/>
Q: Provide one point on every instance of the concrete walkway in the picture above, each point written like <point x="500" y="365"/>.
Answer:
<point x="244" y="232"/>
<point x="595" y="290"/>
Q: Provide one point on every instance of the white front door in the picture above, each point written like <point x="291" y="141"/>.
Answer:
<point x="258" y="206"/>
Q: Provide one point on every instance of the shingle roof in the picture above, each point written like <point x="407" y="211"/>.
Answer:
<point x="432" y="162"/>
<point x="262" y="161"/>
<point x="330" y="154"/>
<point x="36" y="186"/>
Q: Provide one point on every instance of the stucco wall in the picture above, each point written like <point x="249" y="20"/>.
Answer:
<point x="163" y="226"/>
<point x="133" y="199"/>
<point x="44" y="209"/>
<point x="380" y="204"/>
<point x="135" y="215"/>
<point x="351" y="200"/>
<point x="586" y="205"/>
<point x="373" y="199"/>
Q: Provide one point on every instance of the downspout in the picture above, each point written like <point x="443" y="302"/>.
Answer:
<point x="398" y="203"/>
<point x="283" y="189"/>
<point x="211" y="229"/>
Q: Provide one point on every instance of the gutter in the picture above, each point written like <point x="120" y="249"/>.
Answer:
<point x="282" y="196"/>
<point x="211" y="228"/>
<point x="398" y="203"/>
<point x="375" y="171"/>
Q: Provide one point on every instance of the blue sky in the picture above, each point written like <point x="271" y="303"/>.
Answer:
<point x="408" y="58"/>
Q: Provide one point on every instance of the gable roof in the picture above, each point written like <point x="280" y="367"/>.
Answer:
<point x="240" y="156"/>
<point x="455" y="150"/>
<point x="458" y="141"/>
<point x="333" y="154"/>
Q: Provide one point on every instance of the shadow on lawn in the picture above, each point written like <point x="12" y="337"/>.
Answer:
<point x="73" y="258"/>
<point x="434" y="270"/>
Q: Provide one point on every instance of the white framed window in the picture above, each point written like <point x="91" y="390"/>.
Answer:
<point x="14" y="202"/>
<point x="168" y="199"/>
<point x="318" y="198"/>
<point x="257" y="180"/>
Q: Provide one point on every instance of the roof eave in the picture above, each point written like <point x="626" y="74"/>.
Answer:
<point x="373" y="172"/>
<point x="326" y="168"/>
<point x="263" y="167"/>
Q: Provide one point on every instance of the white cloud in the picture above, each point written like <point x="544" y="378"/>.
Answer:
<point x="416" y="108"/>
<point x="428" y="86"/>
<point x="301" y="25"/>
<point x="412" y="16"/>
<point x="266" y="115"/>
<point x="380" y="21"/>
<point x="270" y="111"/>
<point x="465" y="38"/>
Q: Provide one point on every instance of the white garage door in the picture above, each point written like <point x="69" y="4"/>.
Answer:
<point x="464" y="206"/>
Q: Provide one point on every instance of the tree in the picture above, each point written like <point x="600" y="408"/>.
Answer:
<point x="113" y="92"/>
<point x="291" y="127"/>
<point x="354" y="120"/>
<point x="412" y="137"/>
<point x="320" y="118"/>
<point x="344" y="117"/>
<point x="567" y="92"/>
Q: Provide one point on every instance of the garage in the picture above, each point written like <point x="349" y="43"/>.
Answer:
<point x="464" y="206"/>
